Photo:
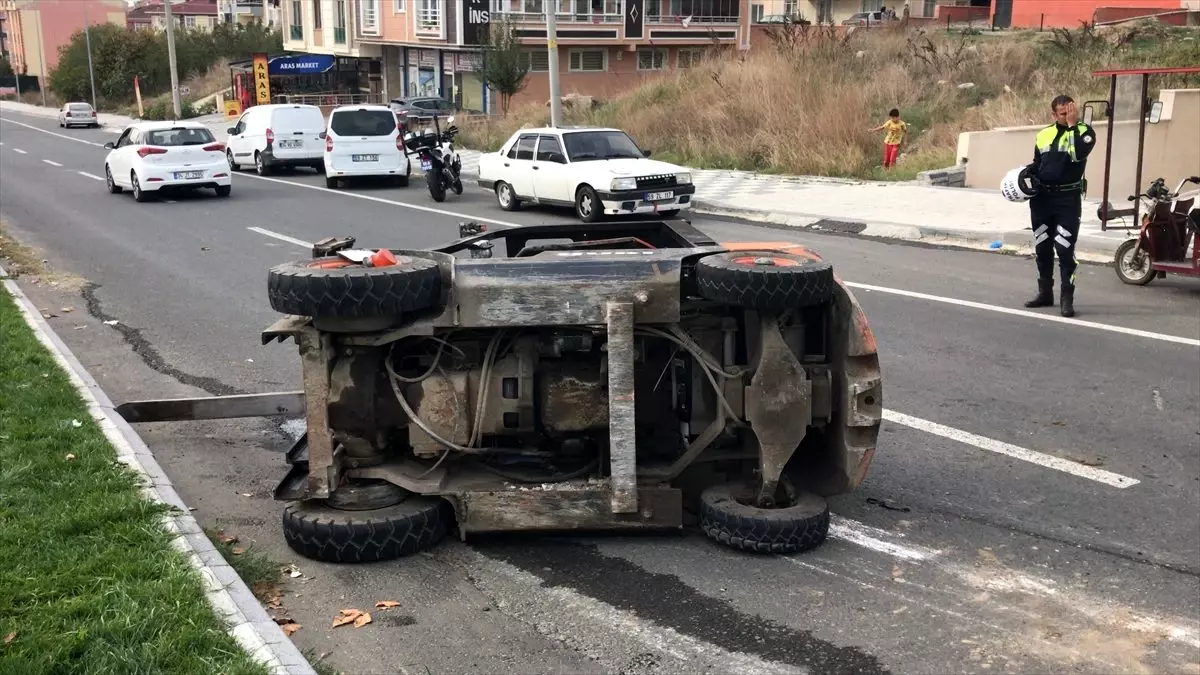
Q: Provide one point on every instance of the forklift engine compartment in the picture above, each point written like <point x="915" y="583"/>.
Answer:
<point x="610" y="376"/>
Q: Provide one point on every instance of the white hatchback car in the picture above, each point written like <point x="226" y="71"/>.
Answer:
<point x="77" y="113"/>
<point x="598" y="171"/>
<point x="153" y="156"/>
<point x="362" y="141"/>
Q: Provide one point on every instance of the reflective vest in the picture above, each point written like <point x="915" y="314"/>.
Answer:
<point x="1066" y="142"/>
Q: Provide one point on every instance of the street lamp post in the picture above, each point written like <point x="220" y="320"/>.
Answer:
<point x="552" y="46"/>
<point x="41" y="60"/>
<point x="175" y="102"/>
<point x="87" y="34"/>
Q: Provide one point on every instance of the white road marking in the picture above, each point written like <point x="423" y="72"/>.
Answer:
<point x="20" y="151"/>
<point x="90" y="175"/>
<point x="51" y="162"/>
<point x="876" y="539"/>
<point x="1000" y="447"/>
<point x="1191" y="342"/>
<point x="280" y="237"/>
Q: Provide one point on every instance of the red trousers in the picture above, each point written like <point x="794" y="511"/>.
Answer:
<point x="889" y="154"/>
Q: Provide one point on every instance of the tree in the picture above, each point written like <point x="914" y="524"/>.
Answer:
<point x="505" y="63"/>
<point x="5" y="67"/>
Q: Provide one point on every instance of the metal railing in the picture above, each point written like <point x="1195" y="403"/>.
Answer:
<point x="692" y="19"/>
<point x="429" y="19"/>
<point x="328" y="99"/>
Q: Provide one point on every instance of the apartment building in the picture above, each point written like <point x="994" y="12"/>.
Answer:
<point x="187" y="14"/>
<point x="36" y="29"/>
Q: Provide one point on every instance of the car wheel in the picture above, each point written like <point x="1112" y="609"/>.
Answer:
<point x="233" y="166"/>
<point x="764" y="280"/>
<point x="260" y="165"/>
<point x="139" y="195"/>
<point x="331" y="182"/>
<point x="669" y="213"/>
<point x="333" y="288"/>
<point x="728" y="515"/>
<point x="224" y="190"/>
<point x="113" y="188"/>
<point x="506" y="197"/>
<point x="587" y="204"/>
<point x="401" y="181"/>
<point x="318" y="531"/>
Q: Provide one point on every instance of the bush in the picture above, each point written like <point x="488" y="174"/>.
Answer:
<point x="120" y="53"/>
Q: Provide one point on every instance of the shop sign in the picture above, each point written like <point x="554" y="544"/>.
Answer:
<point x="262" y="79"/>
<point x="301" y="64"/>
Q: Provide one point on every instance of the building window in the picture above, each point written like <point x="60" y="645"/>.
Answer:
<point x="316" y="5"/>
<point x="189" y="21"/>
<point x="652" y="59"/>
<point x="689" y="57"/>
<point x="339" y="22"/>
<point x="588" y="60"/>
<point x="429" y="16"/>
<point x="296" y="31"/>
<point x="398" y="6"/>
<point x="538" y="61"/>
<point x="369" y="17"/>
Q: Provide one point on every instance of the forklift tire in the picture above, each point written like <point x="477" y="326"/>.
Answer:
<point x="727" y="517"/>
<point x="764" y="280"/>
<point x="329" y="288"/>
<point x="321" y="532"/>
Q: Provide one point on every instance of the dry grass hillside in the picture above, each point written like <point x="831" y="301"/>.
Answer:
<point x="802" y="102"/>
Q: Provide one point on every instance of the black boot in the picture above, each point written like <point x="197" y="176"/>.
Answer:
<point x="1067" y="305"/>
<point x="1045" y="296"/>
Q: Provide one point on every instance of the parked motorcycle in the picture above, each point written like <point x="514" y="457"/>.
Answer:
<point x="1170" y="226"/>
<point x="439" y="160"/>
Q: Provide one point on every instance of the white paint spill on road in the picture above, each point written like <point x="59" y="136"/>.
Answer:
<point x="1016" y="452"/>
<point x="18" y="150"/>
<point x="280" y="237"/>
<point x="52" y="162"/>
<point x="1191" y="342"/>
<point x="604" y="633"/>
<point x="876" y="539"/>
<point x="89" y="175"/>
<point x="1158" y="399"/>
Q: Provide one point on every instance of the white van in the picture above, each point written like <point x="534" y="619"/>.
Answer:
<point x="276" y="135"/>
<point x="364" y="140"/>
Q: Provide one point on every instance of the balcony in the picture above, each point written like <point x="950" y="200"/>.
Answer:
<point x="687" y="13"/>
<point x="566" y="11"/>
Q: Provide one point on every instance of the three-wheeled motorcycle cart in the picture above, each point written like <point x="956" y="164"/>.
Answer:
<point x="606" y="376"/>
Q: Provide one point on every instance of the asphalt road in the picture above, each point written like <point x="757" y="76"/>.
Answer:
<point x="985" y="556"/>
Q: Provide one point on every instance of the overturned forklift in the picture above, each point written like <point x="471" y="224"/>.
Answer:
<point x="603" y="376"/>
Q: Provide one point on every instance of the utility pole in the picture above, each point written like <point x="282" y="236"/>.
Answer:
<point x="42" y="61"/>
<point x="552" y="45"/>
<point x="175" y="102"/>
<point x="87" y="34"/>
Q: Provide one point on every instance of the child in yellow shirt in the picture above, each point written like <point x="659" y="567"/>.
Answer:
<point x="897" y="130"/>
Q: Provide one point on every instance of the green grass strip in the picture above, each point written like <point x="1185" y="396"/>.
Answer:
<point x="89" y="581"/>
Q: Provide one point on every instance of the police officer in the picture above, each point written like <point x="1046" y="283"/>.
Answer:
<point x="1059" y="159"/>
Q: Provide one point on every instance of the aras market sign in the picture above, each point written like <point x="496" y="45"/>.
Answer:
<point x="301" y="64"/>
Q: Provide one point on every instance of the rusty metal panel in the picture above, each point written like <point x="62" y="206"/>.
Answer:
<point x="315" y="361"/>
<point x="284" y="328"/>
<point x="444" y="403"/>
<point x="778" y="404"/>
<point x="287" y="403"/>
<point x="565" y="506"/>
<point x="573" y="396"/>
<point x="527" y="292"/>
<point x="622" y="445"/>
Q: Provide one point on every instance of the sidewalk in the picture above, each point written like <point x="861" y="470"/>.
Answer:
<point x="892" y="210"/>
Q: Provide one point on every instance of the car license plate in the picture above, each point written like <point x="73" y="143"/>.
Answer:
<point x="188" y="175"/>
<point x="426" y="165"/>
<point x="656" y="196"/>
<point x="291" y="144"/>
<point x="364" y="158"/>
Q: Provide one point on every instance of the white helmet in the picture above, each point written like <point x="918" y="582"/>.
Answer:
<point x="1018" y="185"/>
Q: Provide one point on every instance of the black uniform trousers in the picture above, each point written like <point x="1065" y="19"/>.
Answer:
<point x="1055" y="218"/>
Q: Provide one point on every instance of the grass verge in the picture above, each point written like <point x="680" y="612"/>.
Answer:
<point x="801" y="100"/>
<point x="89" y="582"/>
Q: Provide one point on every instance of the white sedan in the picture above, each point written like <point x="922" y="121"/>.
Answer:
<point x="150" y="157"/>
<point x="596" y="171"/>
<point x="77" y="114"/>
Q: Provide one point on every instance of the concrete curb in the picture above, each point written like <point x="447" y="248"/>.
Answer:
<point x="229" y="596"/>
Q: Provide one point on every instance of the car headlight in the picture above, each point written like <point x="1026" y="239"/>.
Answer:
<point x="684" y="178"/>
<point x="624" y="184"/>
